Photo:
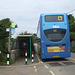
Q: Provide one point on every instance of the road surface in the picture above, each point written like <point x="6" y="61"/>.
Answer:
<point x="46" y="67"/>
<point x="61" y="66"/>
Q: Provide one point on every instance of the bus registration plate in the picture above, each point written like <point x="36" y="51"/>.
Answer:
<point x="56" y="55"/>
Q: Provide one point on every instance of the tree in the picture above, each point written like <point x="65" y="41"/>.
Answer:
<point x="25" y="33"/>
<point x="72" y="26"/>
<point x="71" y="22"/>
<point x="34" y="36"/>
<point x="4" y="23"/>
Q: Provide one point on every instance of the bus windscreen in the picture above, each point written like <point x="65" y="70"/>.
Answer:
<point x="54" y="18"/>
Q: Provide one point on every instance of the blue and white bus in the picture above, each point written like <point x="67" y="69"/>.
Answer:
<point x="53" y="36"/>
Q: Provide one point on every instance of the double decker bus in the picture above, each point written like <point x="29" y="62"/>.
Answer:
<point x="53" y="36"/>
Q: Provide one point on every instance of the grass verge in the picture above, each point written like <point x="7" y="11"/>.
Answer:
<point x="3" y="60"/>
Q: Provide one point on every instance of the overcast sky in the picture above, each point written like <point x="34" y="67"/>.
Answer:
<point x="25" y="13"/>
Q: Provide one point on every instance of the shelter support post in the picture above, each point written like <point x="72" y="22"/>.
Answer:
<point x="30" y="50"/>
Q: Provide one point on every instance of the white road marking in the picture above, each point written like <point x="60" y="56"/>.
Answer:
<point x="46" y="66"/>
<point x="72" y="58"/>
<point x="41" y="62"/>
<point x="52" y="72"/>
<point x="35" y="68"/>
<point x="62" y="63"/>
<point x="39" y="59"/>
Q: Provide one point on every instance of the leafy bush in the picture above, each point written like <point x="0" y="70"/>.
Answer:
<point x="73" y="49"/>
<point x="3" y="59"/>
<point x="72" y="36"/>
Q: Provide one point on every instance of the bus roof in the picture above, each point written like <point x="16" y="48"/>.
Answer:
<point x="53" y="14"/>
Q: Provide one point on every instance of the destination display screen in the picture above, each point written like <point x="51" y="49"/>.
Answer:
<point x="54" y="18"/>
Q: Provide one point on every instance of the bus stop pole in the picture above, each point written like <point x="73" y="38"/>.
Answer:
<point x="8" y="51"/>
<point x="30" y="50"/>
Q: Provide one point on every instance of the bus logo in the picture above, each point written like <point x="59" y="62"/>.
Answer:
<point x="54" y="26"/>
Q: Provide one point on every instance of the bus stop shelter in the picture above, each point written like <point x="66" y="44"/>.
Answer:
<point x="25" y="43"/>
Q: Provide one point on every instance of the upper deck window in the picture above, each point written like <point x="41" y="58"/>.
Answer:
<point x="54" y="18"/>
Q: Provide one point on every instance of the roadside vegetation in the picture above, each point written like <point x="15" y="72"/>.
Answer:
<point x="73" y="49"/>
<point x="3" y="59"/>
<point x="4" y="23"/>
<point x="72" y="30"/>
